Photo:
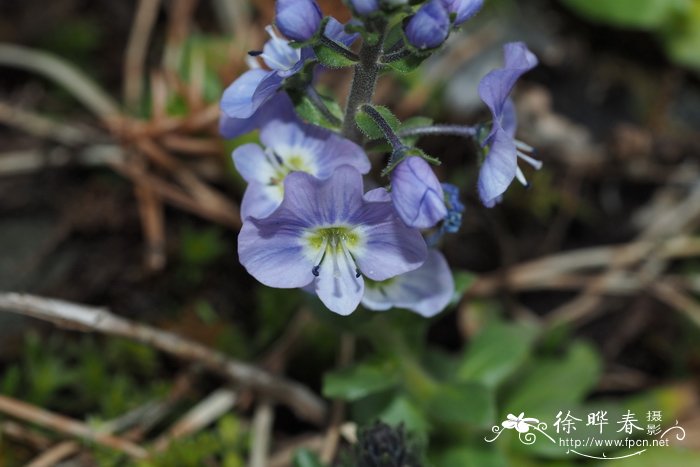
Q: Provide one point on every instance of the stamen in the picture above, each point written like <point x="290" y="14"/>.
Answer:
<point x="255" y="53"/>
<point x="521" y="177"/>
<point x="523" y="146"/>
<point x="319" y="257"/>
<point x="533" y="162"/>
<point x="349" y="258"/>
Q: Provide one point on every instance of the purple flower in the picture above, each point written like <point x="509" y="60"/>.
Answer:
<point x="426" y="290"/>
<point x="462" y="9"/>
<point x="417" y="194"/>
<point x="288" y="147"/>
<point x="429" y="27"/>
<point x="254" y="97"/>
<point x="298" y="19"/>
<point x="326" y="233"/>
<point x="245" y="99"/>
<point x="364" y="7"/>
<point x="500" y="166"/>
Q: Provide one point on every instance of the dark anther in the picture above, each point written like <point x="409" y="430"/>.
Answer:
<point x="255" y="53"/>
<point x="357" y="272"/>
<point x="314" y="270"/>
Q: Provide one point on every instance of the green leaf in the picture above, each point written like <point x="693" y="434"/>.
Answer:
<point x="469" y="403"/>
<point x="406" y="64"/>
<point x="309" y="112"/>
<point x="360" y="380"/>
<point x="305" y="458"/>
<point x="333" y="57"/>
<point x="567" y="380"/>
<point x="370" y="128"/>
<point x="682" y="38"/>
<point x="402" y="410"/>
<point x="496" y="353"/>
<point x="643" y="14"/>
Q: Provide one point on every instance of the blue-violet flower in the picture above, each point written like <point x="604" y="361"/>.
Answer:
<point x="429" y="27"/>
<point x="364" y="7"/>
<point x="287" y="147"/>
<point x="298" y="19"/>
<point x="426" y="290"/>
<point x="500" y="165"/>
<point x="326" y="233"/>
<point x="462" y="9"/>
<point x="417" y="193"/>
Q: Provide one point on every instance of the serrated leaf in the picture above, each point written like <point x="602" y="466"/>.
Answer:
<point x="370" y="128"/>
<point x="360" y="380"/>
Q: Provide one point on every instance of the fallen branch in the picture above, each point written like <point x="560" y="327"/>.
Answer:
<point x="205" y="412"/>
<point x="305" y="404"/>
<point x="72" y="427"/>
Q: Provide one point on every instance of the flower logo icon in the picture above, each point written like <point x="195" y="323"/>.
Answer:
<point x="520" y="423"/>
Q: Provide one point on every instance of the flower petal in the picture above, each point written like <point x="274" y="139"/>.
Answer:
<point x="509" y="424"/>
<point x="429" y="27"/>
<point x="498" y="169"/>
<point x="337" y="284"/>
<point x="238" y="100"/>
<point x="391" y="248"/>
<point x="260" y="200"/>
<point x="335" y="30"/>
<point x="278" y="106"/>
<point x="426" y="290"/>
<point x="329" y="150"/>
<point x="495" y="87"/>
<point x="297" y="19"/>
<point x="463" y="9"/>
<point x="272" y="252"/>
<point x="250" y="161"/>
<point x="417" y="194"/>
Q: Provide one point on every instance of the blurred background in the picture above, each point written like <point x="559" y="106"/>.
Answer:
<point x="116" y="192"/>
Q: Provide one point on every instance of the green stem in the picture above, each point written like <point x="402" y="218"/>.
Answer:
<point x="396" y="144"/>
<point x="321" y="106"/>
<point x="363" y="83"/>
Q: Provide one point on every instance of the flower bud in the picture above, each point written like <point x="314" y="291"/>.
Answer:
<point x="417" y="194"/>
<point x="462" y="9"/>
<point x="298" y="19"/>
<point x="429" y="27"/>
<point x="364" y="7"/>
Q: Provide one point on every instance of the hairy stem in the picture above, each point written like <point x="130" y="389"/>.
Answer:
<point x="454" y="130"/>
<point x="389" y="135"/>
<point x="363" y="83"/>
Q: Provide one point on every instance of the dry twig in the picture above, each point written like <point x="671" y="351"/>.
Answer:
<point x="72" y="316"/>
<point x="62" y="424"/>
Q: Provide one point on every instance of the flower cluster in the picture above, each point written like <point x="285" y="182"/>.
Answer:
<point x="308" y="220"/>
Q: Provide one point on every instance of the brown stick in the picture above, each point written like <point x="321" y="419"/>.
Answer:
<point x="60" y="423"/>
<point x="305" y="404"/>
<point x="135" y="56"/>
<point x="54" y="455"/>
